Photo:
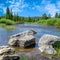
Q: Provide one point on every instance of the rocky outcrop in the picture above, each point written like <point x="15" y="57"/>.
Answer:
<point x="23" y="41"/>
<point x="28" y="32"/>
<point x="45" y="43"/>
<point x="6" y="50"/>
<point x="9" y="57"/>
<point x="8" y="53"/>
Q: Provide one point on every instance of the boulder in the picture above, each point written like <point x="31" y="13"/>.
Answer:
<point x="28" y="32"/>
<point x="6" y="50"/>
<point x="23" y="41"/>
<point x="45" y="43"/>
<point x="9" y="57"/>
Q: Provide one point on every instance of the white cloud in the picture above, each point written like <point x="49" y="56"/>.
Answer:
<point x="45" y="1"/>
<point x="58" y="4"/>
<point x="52" y="9"/>
<point x="2" y="8"/>
<point x="17" y="5"/>
<point x="39" y="8"/>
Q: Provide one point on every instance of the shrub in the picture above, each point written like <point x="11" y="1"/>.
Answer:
<point x="57" y="24"/>
<point x="51" y="22"/>
<point x="7" y="22"/>
<point x="56" y="45"/>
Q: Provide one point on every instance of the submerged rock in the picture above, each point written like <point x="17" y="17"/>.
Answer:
<point x="23" y="41"/>
<point x="6" y="50"/>
<point x="45" y="43"/>
<point x="9" y="57"/>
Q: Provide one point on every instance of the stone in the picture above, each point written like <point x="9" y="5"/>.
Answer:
<point x="45" y="43"/>
<point x="6" y="50"/>
<point x="28" y="32"/>
<point x="9" y="57"/>
<point x="23" y="41"/>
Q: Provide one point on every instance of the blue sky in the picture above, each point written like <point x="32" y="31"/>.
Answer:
<point x="30" y="7"/>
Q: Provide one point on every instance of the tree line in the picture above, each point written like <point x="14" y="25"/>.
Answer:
<point x="17" y="18"/>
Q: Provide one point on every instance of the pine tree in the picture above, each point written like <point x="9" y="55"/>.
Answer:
<point x="7" y="13"/>
<point x="11" y="15"/>
<point x="49" y="15"/>
<point x="59" y="15"/>
<point x="56" y="15"/>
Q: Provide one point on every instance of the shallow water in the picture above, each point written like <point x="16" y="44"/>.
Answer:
<point x="40" y="29"/>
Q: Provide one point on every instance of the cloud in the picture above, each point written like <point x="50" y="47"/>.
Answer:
<point x="52" y="9"/>
<point x="17" y="6"/>
<point x="58" y="4"/>
<point x="45" y="1"/>
<point x="2" y="9"/>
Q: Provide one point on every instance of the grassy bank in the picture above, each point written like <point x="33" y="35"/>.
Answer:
<point x="6" y="23"/>
<point x="50" y="22"/>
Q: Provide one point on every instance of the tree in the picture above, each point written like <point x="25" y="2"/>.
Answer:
<point x="56" y="15"/>
<point x="44" y="16"/>
<point x="59" y="15"/>
<point x="11" y="15"/>
<point x="49" y="15"/>
<point x="7" y="13"/>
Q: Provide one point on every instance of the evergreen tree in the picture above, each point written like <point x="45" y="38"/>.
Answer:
<point x="49" y="16"/>
<point x="56" y="15"/>
<point x="7" y="13"/>
<point x="11" y="15"/>
<point x="44" y="16"/>
<point x="59" y="15"/>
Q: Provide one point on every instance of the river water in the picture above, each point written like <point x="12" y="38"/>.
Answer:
<point x="40" y="29"/>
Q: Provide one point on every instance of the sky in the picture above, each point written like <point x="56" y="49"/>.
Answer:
<point x="30" y="7"/>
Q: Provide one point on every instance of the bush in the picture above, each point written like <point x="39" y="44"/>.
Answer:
<point x="57" y="24"/>
<point x="7" y="22"/>
<point x="41" y="22"/>
<point x="56" y="45"/>
<point x="51" y="22"/>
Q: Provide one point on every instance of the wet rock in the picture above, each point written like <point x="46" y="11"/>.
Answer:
<point x="6" y="50"/>
<point x="28" y="32"/>
<point x="23" y="41"/>
<point x="45" y="43"/>
<point x="9" y="57"/>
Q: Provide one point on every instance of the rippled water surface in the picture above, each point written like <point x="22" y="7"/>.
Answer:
<point x="40" y="29"/>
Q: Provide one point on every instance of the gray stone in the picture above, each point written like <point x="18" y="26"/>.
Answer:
<point x="22" y="41"/>
<point x="9" y="57"/>
<point x="6" y="50"/>
<point x="45" y="43"/>
<point x="28" y="32"/>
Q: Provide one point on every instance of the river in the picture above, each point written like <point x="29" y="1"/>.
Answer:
<point x="40" y="29"/>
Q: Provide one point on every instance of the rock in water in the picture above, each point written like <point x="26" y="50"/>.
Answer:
<point x="6" y="50"/>
<point x="23" y="41"/>
<point x="45" y="43"/>
<point x="29" y="32"/>
<point x="9" y="57"/>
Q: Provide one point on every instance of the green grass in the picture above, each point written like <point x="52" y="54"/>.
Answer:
<point x="7" y="22"/>
<point x="50" y="22"/>
<point x="23" y="58"/>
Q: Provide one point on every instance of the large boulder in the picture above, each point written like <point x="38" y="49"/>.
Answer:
<point x="28" y="32"/>
<point x="6" y="50"/>
<point x="9" y="57"/>
<point x="23" y="41"/>
<point x="45" y="43"/>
